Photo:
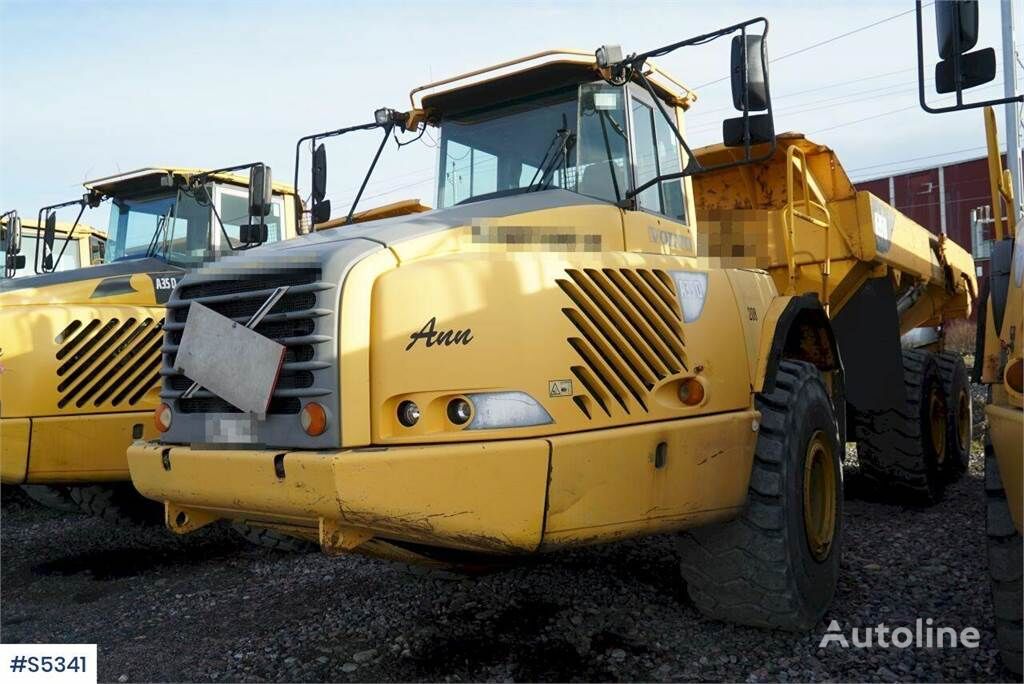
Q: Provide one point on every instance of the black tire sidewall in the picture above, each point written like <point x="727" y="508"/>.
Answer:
<point x="810" y="413"/>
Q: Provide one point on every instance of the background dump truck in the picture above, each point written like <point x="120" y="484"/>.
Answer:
<point x="80" y="348"/>
<point x="597" y="334"/>
<point x="86" y="248"/>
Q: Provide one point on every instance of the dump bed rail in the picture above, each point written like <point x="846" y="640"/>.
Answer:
<point x="800" y="217"/>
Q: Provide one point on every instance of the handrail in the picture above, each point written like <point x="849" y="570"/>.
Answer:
<point x="796" y="159"/>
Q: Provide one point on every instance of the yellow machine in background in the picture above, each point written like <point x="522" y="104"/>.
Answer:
<point x="87" y="246"/>
<point x="80" y="348"/>
<point x="1000" y="366"/>
<point x="997" y="362"/>
<point x="599" y="333"/>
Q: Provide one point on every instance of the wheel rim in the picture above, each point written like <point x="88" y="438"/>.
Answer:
<point x="963" y="420"/>
<point x="937" y="424"/>
<point x="819" y="496"/>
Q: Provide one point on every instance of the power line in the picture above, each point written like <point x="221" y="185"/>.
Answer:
<point x="911" y="159"/>
<point x="820" y="43"/>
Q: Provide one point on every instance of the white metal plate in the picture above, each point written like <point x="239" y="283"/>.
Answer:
<point x="223" y="356"/>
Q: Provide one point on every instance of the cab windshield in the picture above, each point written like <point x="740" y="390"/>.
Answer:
<point x="179" y="229"/>
<point x="595" y="139"/>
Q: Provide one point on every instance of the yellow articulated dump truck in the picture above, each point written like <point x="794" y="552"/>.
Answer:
<point x="80" y="348"/>
<point x="998" y="359"/>
<point x="86" y="247"/>
<point x="598" y="333"/>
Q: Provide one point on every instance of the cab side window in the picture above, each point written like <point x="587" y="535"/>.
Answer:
<point x="234" y="212"/>
<point x="656" y="151"/>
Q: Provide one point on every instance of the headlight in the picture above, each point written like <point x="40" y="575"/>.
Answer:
<point x="493" y="410"/>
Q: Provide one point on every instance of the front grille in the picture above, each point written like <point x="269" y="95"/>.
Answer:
<point x="292" y="322"/>
<point x="112" y="362"/>
<point x="630" y="336"/>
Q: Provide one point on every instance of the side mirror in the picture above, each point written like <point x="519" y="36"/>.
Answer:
<point x="956" y="28"/>
<point x="321" y="212"/>
<point x="319" y="174"/>
<point x="749" y="94"/>
<point x="749" y="80"/>
<point x="253" y="234"/>
<point x="12" y="242"/>
<point x="260" y="190"/>
<point x="49" y="232"/>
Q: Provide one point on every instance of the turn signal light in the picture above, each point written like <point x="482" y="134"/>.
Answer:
<point x="162" y="416"/>
<point x="314" y="419"/>
<point x="691" y="391"/>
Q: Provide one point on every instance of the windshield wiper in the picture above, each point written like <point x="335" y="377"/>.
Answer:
<point x="563" y="141"/>
<point x="161" y="225"/>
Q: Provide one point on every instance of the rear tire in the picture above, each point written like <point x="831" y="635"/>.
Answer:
<point x="272" y="539"/>
<point x="900" y="450"/>
<point x="958" y="424"/>
<point x="1004" y="567"/>
<point x="119" y="504"/>
<point x="52" y="496"/>
<point x="777" y="564"/>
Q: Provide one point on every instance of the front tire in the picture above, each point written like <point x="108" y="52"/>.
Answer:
<point x="119" y="504"/>
<point x="52" y="496"/>
<point x="272" y="539"/>
<point x="776" y="565"/>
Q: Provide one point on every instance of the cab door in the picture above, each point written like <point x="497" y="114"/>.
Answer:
<point x="663" y="222"/>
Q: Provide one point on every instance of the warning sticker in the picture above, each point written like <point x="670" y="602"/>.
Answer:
<point x="559" y="388"/>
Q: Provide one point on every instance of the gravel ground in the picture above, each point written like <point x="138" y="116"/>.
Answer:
<point x="209" y="607"/>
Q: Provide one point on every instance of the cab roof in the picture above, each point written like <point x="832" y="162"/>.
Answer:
<point x="536" y="73"/>
<point x="150" y="178"/>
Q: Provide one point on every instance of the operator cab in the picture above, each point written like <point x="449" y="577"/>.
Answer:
<point x="161" y="213"/>
<point x="562" y="127"/>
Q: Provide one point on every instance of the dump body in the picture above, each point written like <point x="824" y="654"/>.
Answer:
<point x="799" y="217"/>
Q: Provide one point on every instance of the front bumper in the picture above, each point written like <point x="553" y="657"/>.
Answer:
<point x="502" y="496"/>
<point x="451" y="495"/>
<point x="71" y="449"/>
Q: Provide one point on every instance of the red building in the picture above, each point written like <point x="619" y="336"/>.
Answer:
<point x="953" y="199"/>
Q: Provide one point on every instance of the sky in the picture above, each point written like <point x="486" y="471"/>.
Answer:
<point x="90" y="89"/>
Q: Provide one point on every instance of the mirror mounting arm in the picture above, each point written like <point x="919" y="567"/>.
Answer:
<point x="369" y="172"/>
<point x="313" y="138"/>
<point x="40" y="264"/>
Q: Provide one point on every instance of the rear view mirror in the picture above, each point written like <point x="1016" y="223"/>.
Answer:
<point x="12" y="240"/>
<point x="749" y="94"/>
<point x="956" y="26"/>
<point x="749" y="82"/>
<point x="319" y="174"/>
<point x="253" y="234"/>
<point x="321" y="212"/>
<point x="49" y="232"/>
<point x="761" y="130"/>
<point x="260" y="190"/>
<point x="975" y="69"/>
